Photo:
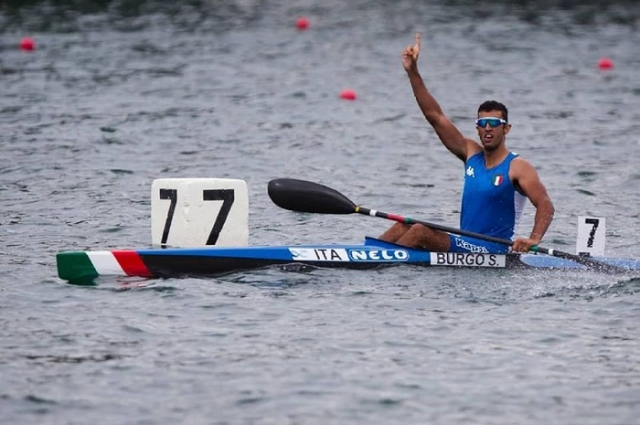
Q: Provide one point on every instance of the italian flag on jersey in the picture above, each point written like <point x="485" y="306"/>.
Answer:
<point x="497" y="180"/>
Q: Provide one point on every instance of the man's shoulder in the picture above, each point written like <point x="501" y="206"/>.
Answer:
<point x="520" y="165"/>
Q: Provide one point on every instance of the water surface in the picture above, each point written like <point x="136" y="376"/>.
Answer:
<point x="118" y="94"/>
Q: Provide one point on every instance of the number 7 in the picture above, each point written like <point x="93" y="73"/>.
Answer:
<point x="227" y="197"/>
<point x="171" y="194"/>
<point x="592" y="233"/>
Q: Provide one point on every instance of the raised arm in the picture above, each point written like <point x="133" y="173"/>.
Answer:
<point x="449" y="135"/>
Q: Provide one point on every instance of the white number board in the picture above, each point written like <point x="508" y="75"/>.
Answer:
<point x="591" y="235"/>
<point x="196" y="212"/>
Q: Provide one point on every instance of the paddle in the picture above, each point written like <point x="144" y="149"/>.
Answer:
<point x="305" y="196"/>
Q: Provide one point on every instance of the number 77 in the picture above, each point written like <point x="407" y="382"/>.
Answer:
<point x="227" y="196"/>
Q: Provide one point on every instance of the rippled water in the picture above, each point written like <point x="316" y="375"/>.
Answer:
<point x="119" y="93"/>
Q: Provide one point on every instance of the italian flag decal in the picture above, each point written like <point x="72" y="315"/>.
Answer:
<point x="497" y="180"/>
<point x="79" y="266"/>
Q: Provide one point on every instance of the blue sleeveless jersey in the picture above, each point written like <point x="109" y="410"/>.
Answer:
<point x="491" y="205"/>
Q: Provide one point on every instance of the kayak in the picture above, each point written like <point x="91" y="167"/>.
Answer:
<point x="82" y="266"/>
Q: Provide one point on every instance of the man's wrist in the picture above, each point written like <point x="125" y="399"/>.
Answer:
<point x="413" y="70"/>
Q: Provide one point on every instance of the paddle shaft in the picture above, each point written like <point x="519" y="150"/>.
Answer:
<point x="407" y="220"/>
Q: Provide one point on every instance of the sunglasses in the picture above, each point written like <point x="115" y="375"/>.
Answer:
<point x="493" y="122"/>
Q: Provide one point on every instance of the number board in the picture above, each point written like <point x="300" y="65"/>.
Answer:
<point x="591" y="236"/>
<point x="195" y="212"/>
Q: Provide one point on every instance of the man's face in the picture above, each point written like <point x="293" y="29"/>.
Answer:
<point x="492" y="129"/>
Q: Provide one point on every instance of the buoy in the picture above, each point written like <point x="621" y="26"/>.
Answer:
<point x="27" y="44"/>
<point x="348" y="94"/>
<point x="302" y="23"/>
<point x="605" y="63"/>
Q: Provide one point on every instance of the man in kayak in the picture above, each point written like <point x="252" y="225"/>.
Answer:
<point x="496" y="186"/>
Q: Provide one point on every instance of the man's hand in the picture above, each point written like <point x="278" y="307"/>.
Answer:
<point x="410" y="55"/>
<point x="523" y="244"/>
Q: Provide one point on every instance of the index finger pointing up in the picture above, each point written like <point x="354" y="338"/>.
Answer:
<point x="418" y="40"/>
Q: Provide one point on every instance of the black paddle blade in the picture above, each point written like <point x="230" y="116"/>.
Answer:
<point x="304" y="196"/>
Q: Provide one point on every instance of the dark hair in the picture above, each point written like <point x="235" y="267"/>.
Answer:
<point x="494" y="105"/>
